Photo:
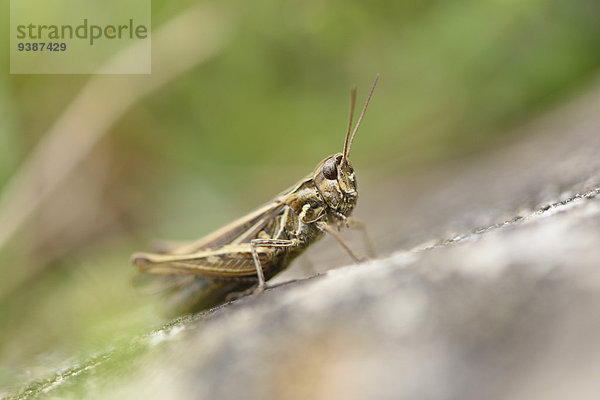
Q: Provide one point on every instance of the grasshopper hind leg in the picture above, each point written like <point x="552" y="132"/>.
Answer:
<point x="273" y="243"/>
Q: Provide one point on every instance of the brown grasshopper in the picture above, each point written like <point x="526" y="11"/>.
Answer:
<point x="246" y="253"/>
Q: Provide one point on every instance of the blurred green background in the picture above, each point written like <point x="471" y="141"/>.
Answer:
<point x="213" y="141"/>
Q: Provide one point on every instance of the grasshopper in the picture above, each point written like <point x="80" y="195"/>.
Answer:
<point x="243" y="255"/>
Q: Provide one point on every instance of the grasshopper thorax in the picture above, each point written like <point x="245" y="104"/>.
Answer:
<point x="335" y="180"/>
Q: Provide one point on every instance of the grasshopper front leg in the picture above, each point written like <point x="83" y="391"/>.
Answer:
<point x="323" y="226"/>
<point x="359" y="225"/>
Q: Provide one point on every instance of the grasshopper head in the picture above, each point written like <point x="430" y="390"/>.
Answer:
<point x="335" y="180"/>
<point x="334" y="176"/>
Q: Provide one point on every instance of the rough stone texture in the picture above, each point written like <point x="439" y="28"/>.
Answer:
<point x="511" y="314"/>
<point x="507" y="308"/>
<point x="492" y="293"/>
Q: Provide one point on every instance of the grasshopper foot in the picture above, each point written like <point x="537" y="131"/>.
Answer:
<point x="248" y="292"/>
<point x="259" y="289"/>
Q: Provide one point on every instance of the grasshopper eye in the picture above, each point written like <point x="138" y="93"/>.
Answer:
<point x="330" y="169"/>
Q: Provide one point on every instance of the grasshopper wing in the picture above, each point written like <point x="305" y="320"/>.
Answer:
<point x="229" y="261"/>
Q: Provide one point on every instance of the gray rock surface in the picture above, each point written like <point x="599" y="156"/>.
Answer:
<point x="509" y="313"/>
<point x="491" y="290"/>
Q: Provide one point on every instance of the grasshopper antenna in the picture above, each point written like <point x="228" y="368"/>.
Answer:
<point x="348" y="144"/>
<point x="352" y="105"/>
